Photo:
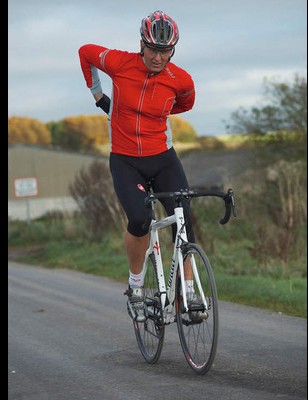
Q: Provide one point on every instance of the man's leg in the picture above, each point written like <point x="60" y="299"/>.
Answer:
<point x="136" y="248"/>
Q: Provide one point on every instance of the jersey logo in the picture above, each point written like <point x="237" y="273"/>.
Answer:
<point x="140" y="187"/>
<point x="170" y="73"/>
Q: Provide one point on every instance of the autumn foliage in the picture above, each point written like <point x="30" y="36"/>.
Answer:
<point x="83" y="132"/>
<point x="28" y="130"/>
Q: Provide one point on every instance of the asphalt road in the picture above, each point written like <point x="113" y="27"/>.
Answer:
<point x="70" y="338"/>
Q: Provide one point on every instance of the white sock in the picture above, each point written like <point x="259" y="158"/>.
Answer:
<point x="135" y="279"/>
<point x="189" y="286"/>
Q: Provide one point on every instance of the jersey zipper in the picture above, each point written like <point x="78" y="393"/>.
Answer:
<point x="138" y="119"/>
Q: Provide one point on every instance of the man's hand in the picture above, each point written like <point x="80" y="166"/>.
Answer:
<point x="104" y="103"/>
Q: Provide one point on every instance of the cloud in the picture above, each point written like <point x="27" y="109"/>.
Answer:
<point x="227" y="47"/>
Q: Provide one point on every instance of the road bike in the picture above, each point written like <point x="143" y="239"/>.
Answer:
<point x="165" y="297"/>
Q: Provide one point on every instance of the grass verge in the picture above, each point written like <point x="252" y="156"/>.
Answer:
<point x="288" y="296"/>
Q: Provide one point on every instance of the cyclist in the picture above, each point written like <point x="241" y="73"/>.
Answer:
<point x="147" y="88"/>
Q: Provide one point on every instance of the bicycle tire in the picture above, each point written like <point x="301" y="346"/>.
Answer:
<point x="150" y="334"/>
<point x="198" y="337"/>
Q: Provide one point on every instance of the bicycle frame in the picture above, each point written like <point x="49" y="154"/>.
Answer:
<point x="168" y="291"/>
<point x="165" y="296"/>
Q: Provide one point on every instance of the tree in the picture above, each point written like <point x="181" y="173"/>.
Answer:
<point x="285" y="109"/>
<point x="182" y="131"/>
<point x="82" y="132"/>
<point x="27" y="130"/>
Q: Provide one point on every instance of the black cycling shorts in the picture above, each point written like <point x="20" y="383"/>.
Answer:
<point x="167" y="171"/>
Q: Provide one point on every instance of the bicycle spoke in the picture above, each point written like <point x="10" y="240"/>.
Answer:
<point x="198" y="327"/>
<point x="150" y="334"/>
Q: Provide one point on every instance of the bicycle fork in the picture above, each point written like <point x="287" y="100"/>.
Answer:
<point x="168" y="292"/>
<point x="181" y="241"/>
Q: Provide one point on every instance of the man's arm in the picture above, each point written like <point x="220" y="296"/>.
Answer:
<point x="184" y="102"/>
<point x="90" y="72"/>
<point x="185" y="98"/>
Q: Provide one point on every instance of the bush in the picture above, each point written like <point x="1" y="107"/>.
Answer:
<point x="93" y="191"/>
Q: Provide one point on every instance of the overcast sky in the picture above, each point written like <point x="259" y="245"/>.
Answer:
<point x="228" y="46"/>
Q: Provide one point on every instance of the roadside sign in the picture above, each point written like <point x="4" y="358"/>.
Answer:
<point x="25" y="187"/>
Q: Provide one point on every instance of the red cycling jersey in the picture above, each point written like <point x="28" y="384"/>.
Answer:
<point x="141" y="101"/>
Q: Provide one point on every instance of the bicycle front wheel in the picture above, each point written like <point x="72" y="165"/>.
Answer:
<point x="150" y="334"/>
<point x="198" y="327"/>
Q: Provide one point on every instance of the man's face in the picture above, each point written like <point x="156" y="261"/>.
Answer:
<point x="155" y="59"/>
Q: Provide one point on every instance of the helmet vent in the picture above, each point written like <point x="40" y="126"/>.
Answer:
<point x="158" y="29"/>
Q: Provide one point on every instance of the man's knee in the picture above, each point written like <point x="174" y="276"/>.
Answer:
<point x="138" y="228"/>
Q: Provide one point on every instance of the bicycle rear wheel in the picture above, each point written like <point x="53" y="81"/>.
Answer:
<point x="198" y="328"/>
<point x="150" y="334"/>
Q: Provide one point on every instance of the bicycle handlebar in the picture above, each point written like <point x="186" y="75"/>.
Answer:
<point x="228" y="198"/>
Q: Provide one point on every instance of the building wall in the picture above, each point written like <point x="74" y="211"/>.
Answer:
<point x="31" y="208"/>
<point x="54" y="170"/>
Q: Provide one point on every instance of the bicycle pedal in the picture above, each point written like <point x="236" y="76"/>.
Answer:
<point x="140" y="315"/>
